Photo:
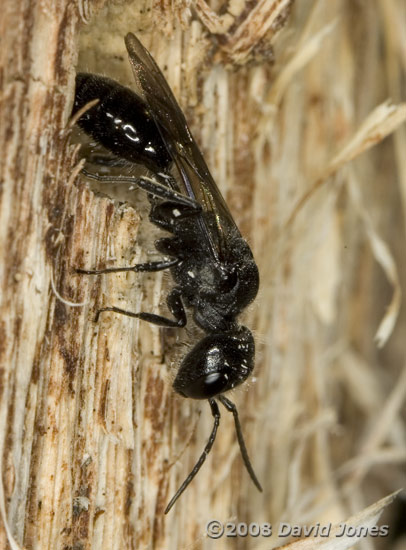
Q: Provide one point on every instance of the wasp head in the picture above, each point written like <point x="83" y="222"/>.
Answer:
<point x="218" y="363"/>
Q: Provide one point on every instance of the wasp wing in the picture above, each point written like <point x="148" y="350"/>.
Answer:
<point x="191" y="166"/>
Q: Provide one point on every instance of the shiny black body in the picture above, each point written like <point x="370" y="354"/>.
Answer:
<point x="120" y="121"/>
<point x="211" y="264"/>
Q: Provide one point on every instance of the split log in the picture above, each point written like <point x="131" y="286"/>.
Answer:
<point x="282" y="99"/>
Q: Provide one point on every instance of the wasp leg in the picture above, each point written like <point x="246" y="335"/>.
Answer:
<point x="150" y="185"/>
<point x="148" y="266"/>
<point x="100" y="159"/>
<point x="229" y="405"/>
<point x="175" y="306"/>
<point x="216" y="414"/>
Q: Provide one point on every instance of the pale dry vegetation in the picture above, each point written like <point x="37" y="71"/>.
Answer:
<point x="299" y="109"/>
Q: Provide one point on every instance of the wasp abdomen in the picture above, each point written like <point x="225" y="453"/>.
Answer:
<point x="120" y="121"/>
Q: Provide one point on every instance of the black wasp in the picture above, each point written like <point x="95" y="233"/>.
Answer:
<point x="211" y="264"/>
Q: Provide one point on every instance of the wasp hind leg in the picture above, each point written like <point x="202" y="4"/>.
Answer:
<point x="151" y="186"/>
<point x="107" y="160"/>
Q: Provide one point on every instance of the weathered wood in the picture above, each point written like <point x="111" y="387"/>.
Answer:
<point x="93" y="441"/>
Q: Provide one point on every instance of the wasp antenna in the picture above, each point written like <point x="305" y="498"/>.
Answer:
<point x="216" y="414"/>
<point x="229" y="405"/>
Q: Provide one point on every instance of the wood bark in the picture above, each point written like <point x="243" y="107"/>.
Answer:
<point x="93" y="440"/>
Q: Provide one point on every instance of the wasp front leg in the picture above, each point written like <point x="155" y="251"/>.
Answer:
<point x="175" y="306"/>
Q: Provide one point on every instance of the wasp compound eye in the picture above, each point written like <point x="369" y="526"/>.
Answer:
<point x="207" y="386"/>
